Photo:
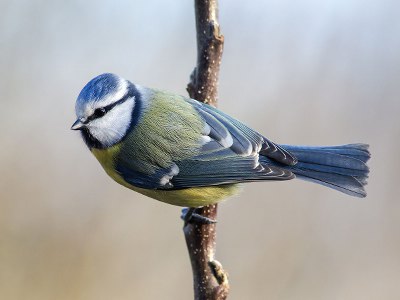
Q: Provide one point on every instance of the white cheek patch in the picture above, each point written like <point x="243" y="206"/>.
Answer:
<point x="112" y="127"/>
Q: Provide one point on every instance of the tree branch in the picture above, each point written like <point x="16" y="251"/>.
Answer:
<point x="209" y="278"/>
<point x="203" y="85"/>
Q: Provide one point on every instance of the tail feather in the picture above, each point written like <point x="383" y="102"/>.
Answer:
<point x="342" y="168"/>
<point x="359" y="151"/>
<point x="318" y="167"/>
<point x="347" y="184"/>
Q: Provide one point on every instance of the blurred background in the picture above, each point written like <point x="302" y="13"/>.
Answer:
<point x="301" y="72"/>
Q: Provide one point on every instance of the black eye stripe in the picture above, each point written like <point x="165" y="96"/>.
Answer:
<point x="101" y="111"/>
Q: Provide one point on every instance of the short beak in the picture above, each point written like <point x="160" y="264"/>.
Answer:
<point x="77" y="125"/>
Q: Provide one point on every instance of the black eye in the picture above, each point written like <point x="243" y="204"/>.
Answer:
<point x="99" y="112"/>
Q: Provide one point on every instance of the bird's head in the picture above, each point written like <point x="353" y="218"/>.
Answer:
<point x="104" y="110"/>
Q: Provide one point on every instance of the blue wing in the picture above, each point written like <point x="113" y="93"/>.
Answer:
<point x="225" y="130"/>
<point x="160" y="179"/>
<point x="228" y="153"/>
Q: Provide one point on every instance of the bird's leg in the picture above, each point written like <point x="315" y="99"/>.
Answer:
<point x="189" y="215"/>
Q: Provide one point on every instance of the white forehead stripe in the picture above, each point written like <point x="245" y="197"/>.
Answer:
<point x="120" y="92"/>
<point x="117" y="94"/>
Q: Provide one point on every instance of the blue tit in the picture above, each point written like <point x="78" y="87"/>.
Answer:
<point x="186" y="153"/>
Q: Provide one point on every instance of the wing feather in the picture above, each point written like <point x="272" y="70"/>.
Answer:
<point x="243" y="136"/>
<point x="228" y="152"/>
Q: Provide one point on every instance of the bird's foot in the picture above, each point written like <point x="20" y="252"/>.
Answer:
<point x="189" y="215"/>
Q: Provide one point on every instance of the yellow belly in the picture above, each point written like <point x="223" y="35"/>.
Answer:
<point x="190" y="197"/>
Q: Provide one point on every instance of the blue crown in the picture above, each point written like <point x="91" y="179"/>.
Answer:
<point x="98" y="88"/>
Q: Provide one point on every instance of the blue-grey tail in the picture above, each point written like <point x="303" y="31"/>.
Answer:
<point x="342" y="168"/>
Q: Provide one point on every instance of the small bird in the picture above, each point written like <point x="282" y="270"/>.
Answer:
<point x="187" y="153"/>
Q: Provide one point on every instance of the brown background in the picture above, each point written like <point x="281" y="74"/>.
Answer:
<point x="301" y="72"/>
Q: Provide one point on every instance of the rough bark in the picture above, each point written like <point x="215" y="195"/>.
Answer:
<point x="209" y="278"/>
